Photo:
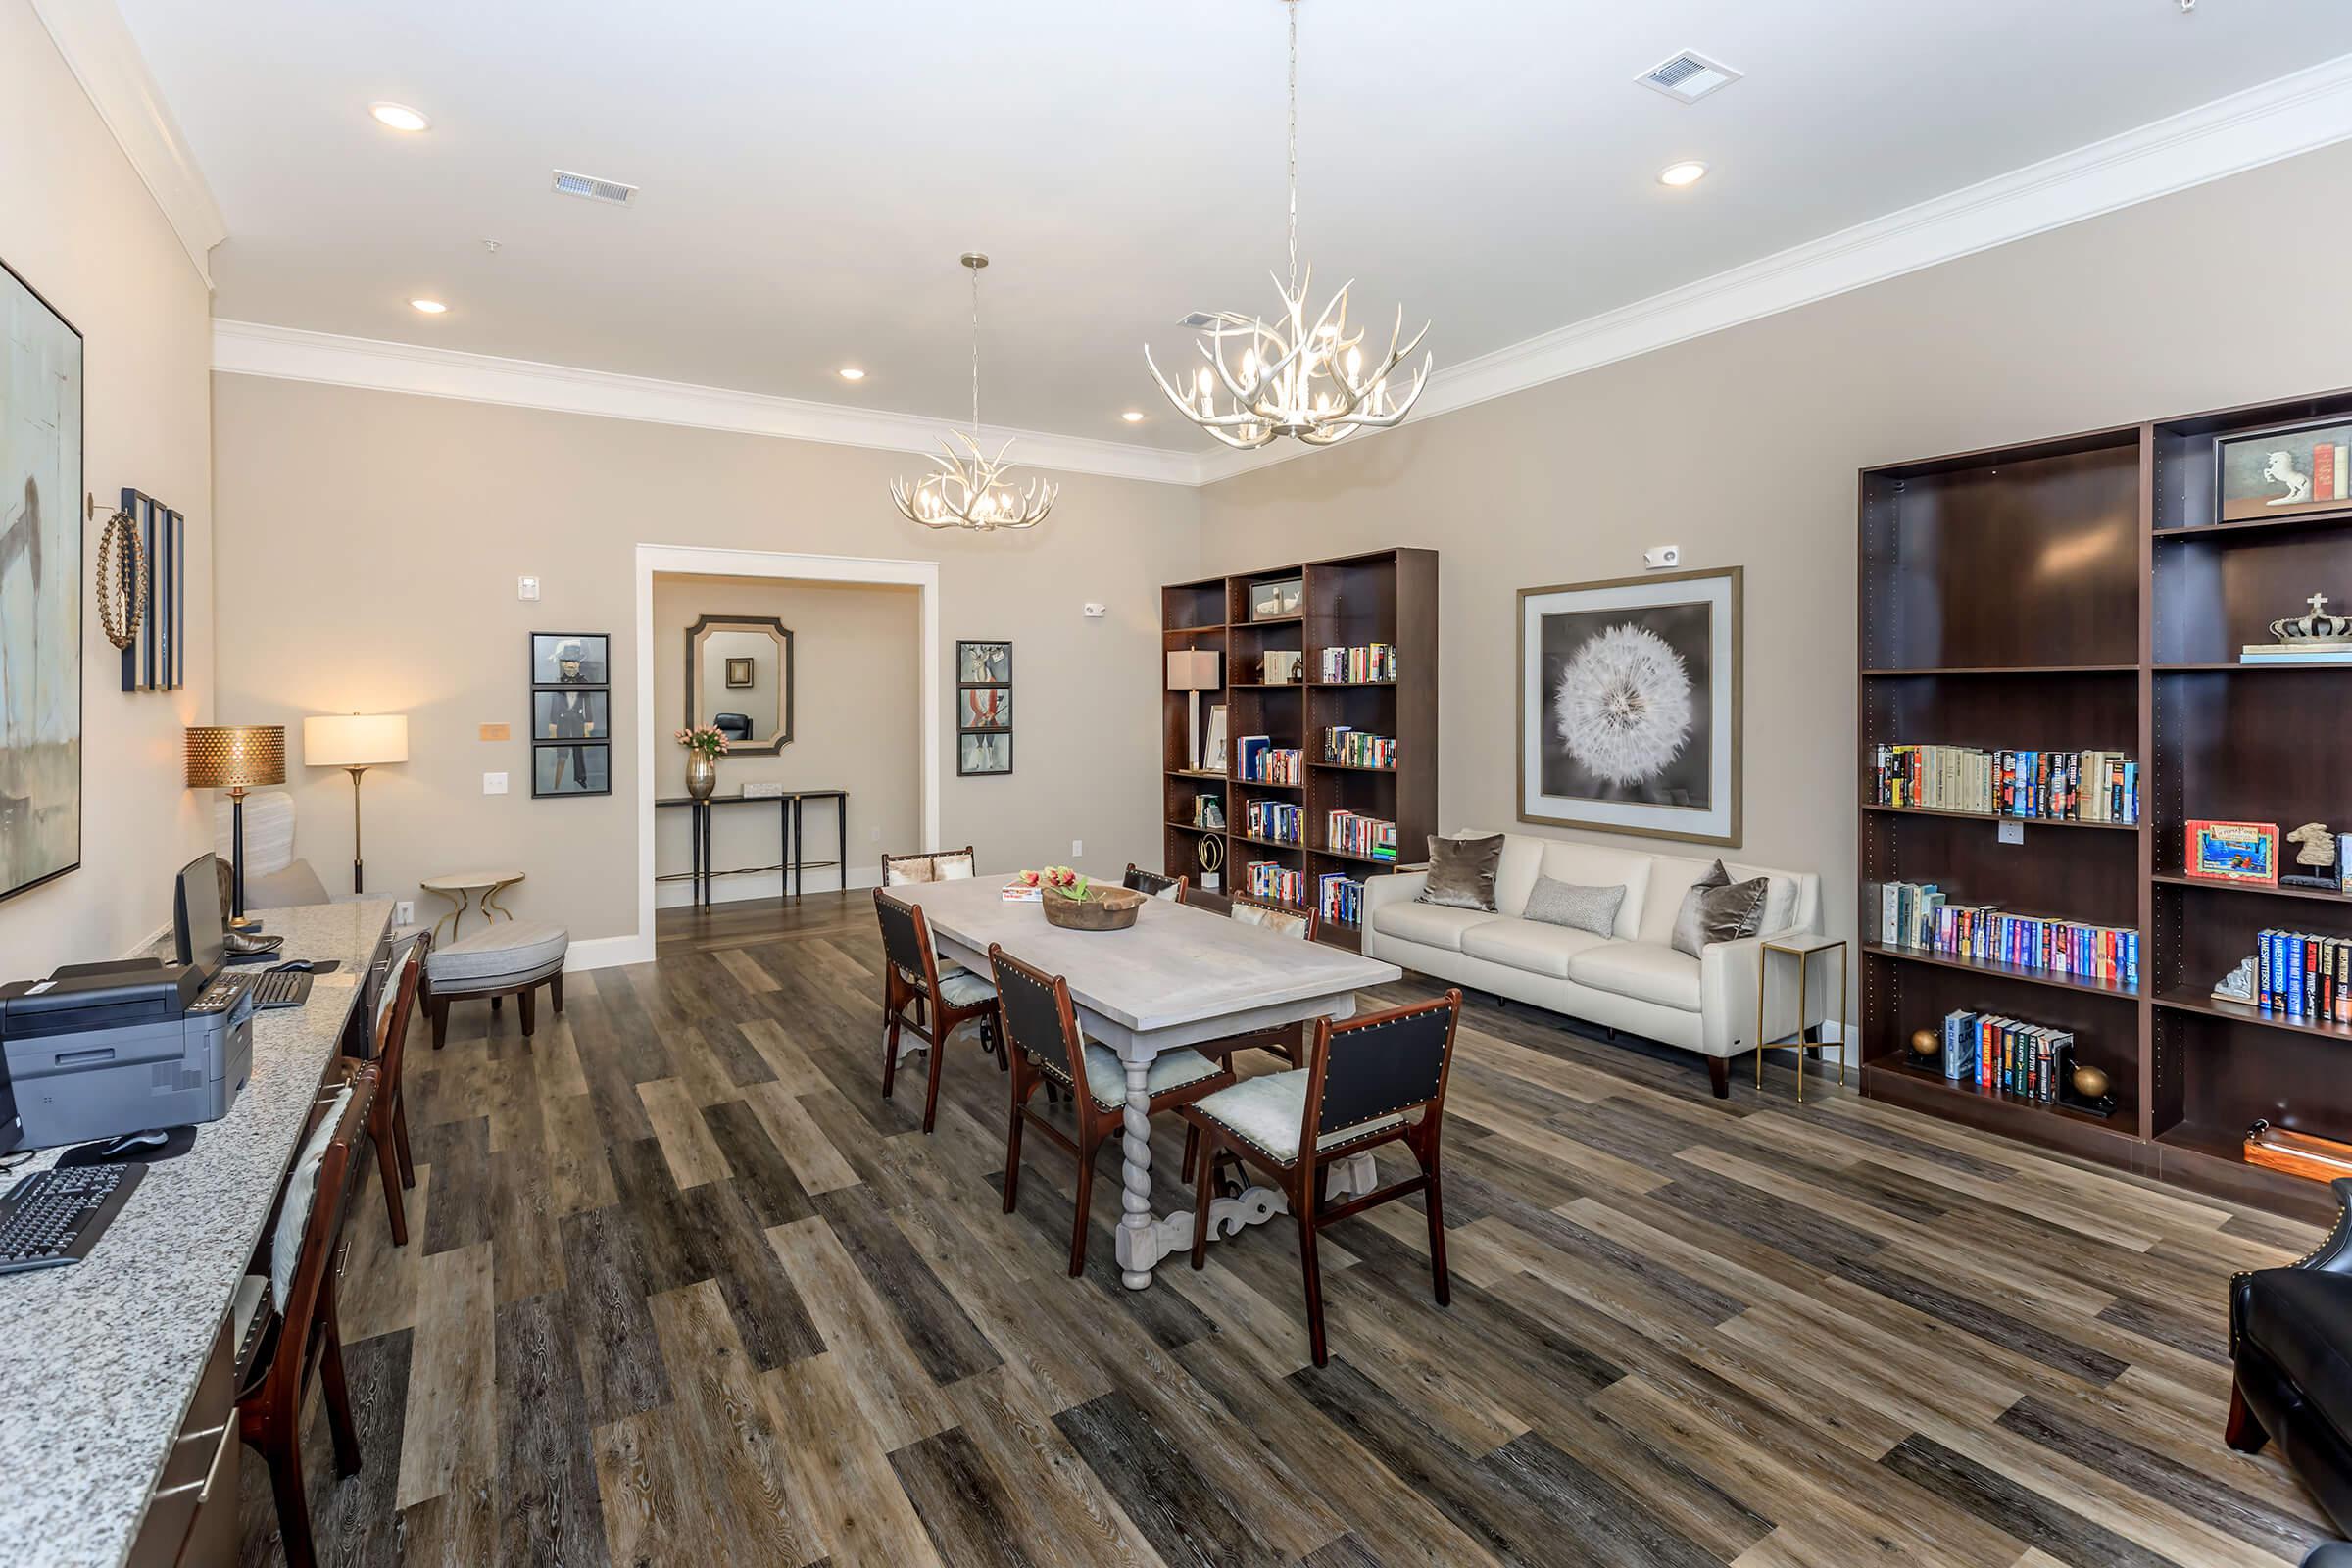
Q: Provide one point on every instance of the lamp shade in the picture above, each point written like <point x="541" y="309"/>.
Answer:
<point x="1194" y="670"/>
<point x="233" y="756"/>
<point x="355" y="740"/>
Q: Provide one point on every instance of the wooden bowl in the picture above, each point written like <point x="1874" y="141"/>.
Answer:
<point x="1101" y="909"/>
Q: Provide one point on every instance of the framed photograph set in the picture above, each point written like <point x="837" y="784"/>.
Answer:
<point x="1629" y="704"/>
<point x="983" y="709"/>
<point x="571" y="714"/>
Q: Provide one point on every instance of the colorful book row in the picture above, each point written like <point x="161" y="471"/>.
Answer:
<point x="1341" y="898"/>
<point x="1994" y="1052"/>
<point x="1279" y="821"/>
<point x="1914" y="914"/>
<point x="1271" y="879"/>
<point x="1367" y="836"/>
<point x="2303" y="976"/>
<point x="1264" y="763"/>
<point x="1372" y="661"/>
<point x="2093" y="786"/>
<point x="1356" y="747"/>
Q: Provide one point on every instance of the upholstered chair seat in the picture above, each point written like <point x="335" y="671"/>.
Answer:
<point x="1107" y="1075"/>
<point x="1269" y="1109"/>
<point x="958" y="987"/>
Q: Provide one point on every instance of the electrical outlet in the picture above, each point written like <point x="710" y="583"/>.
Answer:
<point x="526" y="588"/>
<point x="1077" y="847"/>
<point x="494" y="783"/>
<point x="874" y="835"/>
<point x="2012" y="832"/>
<point x="404" y="913"/>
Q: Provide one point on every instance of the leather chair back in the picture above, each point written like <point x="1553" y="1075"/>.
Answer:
<point x="1037" y="1013"/>
<point x="1380" y="1065"/>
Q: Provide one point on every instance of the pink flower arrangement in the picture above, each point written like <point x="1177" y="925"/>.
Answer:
<point x="703" y="738"/>
<point x="1071" y="884"/>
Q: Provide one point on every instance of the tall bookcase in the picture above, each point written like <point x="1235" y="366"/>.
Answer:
<point x="1388" y="596"/>
<point x="2076" y="594"/>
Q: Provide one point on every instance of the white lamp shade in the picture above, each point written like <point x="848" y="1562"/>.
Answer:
<point x="355" y="740"/>
<point x="1192" y="669"/>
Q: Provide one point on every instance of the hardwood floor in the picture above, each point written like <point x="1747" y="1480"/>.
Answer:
<point x="681" y="1288"/>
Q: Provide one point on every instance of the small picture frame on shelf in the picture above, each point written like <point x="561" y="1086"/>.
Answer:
<point x="1212" y="741"/>
<point x="1277" y="599"/>
<point x="2282" y="471"/>
<point x="2233" y="851"/>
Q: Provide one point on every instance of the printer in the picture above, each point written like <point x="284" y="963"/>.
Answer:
<point x="104" y="1049"/>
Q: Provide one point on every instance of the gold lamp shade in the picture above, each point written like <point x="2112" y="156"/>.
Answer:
<point x="237" y="756"/>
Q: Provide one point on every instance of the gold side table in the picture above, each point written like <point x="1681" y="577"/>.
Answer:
<point x="1812" y="1035"/>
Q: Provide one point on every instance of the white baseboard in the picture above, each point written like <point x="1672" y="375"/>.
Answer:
<point x="609" y="953"/>
<point x="767" y="885"/>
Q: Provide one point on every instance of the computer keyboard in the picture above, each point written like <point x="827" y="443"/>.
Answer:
<point x="281" y="988"/>
<point x="54" y="1217"/>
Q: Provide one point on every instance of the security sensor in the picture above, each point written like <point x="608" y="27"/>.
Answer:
<point x="1097" y="611"/>
<point x="1661" y="557"/>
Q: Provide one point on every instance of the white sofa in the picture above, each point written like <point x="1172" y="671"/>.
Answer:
<point x="1632" y="979"/>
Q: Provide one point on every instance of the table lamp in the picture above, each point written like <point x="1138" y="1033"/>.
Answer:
<point x="355" y="743"/>
<point x="1194" y="671"/>
<point x="236" y="758"/>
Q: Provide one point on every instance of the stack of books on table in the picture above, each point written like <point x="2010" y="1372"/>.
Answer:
<point x="2026" y="1059"/>
<point x="1264" y="763"/>
<point x="2303" y="976"/>
<point x="1271" y="879"/>
<point x="1914" y="914"/>
<point x="1373" y="661"/>
<point x="1281" y="820"/>
<point x="2294" y="654"/>
<point x="1367" y="836"/>
<point x="2093" y="786"/>
<point x="1341" y="899"/>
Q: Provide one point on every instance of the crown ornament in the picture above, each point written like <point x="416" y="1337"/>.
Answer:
<point x="2318" y="629"/>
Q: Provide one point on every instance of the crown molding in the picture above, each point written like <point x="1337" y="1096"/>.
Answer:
<point x="2275" y="120"/>
<point x="250" y="348"/>
<point x="104" y="58"/>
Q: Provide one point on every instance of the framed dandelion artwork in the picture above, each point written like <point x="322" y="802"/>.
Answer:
<point x="1629" y="706"/>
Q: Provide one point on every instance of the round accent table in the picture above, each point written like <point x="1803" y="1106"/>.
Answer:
<point x="459" y="888"/>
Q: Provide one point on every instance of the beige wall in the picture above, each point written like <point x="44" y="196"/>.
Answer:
<point x="857" y="724"/>
<point x="1742" y="448"/>
<point x="367" y="559"/>
<point x="79" y="226"/>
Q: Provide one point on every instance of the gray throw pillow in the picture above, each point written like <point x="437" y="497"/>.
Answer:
<point x="1719" y="910"/>
<point x="1462" y="871"/>
<point x="1593" y="909"/>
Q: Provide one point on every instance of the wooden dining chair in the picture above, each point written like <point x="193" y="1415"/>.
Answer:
<point x="928" y="865"/>
<point x="953" y="997"/>
<point x="1154" y="883"/>
<point x="1362" y="1083"/>
<point x="1287" y="1041"/>
<point x="389" y="1120"/>
<point x="1044" y="1042"/>
<point x="303" y="1337"/>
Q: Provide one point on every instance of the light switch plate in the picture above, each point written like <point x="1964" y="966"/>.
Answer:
<point x="526" y="588"/>
<point x="1077" y="847"/>
<point x="2012" y="832"/>
<point x="405" y="913"/>
<point x="494" y="783"/>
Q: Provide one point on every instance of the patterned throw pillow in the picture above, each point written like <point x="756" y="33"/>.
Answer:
<point x="1462" y="871"/>
<point x="1719" y="910"/>
<point x="1593" y="910"/>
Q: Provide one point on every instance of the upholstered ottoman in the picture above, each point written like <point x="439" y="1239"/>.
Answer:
<point x="505" y="957"/>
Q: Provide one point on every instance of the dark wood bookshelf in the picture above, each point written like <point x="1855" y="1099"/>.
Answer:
<point x="1997" y="817"/>
<point x="1388" y="596"/>
<point x="2074" y="593"/>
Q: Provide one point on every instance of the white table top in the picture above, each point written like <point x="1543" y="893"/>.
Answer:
<point x="1177" y="970"/>
<point x="98" y="1361"/>
<point x="456" y="881"/>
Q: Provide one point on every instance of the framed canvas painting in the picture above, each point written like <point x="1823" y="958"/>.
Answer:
<point x="41" y="589"/>
<point x="1629" y="706"/>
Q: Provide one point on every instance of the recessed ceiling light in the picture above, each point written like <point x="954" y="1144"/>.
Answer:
<point x="850" y="373"/>
<point x="399" y="116"/>
<point x="1133" y="416"/>
<point x="1682" y="173"/>
<point x="429" y="307"/>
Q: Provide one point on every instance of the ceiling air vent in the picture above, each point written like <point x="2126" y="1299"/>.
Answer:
<point x="1687" y="78"/>
<point x="594" y="189"/>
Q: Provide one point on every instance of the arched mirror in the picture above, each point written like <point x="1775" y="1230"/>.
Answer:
<point x="739" y="678"/>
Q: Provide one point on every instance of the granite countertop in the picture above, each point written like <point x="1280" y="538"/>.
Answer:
<point x="98" y="1361"/>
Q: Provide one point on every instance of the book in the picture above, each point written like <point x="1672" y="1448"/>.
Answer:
<point x="2322" y="471"/>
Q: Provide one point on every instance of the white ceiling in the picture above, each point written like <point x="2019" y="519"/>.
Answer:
<point x="811" y="170"/>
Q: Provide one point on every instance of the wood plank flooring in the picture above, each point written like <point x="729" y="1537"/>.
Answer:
<point x="682" y="1288"/>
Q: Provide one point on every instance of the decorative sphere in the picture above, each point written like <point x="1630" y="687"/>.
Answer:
<point x="2090" y="1083"/>
<point x="1925" y="1042"/>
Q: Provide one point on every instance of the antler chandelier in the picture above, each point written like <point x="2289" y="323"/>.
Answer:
<point x="971" y="490"/>
<point x="1309" y="383"/>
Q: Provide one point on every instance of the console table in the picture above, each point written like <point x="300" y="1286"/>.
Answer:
<point x="791" y="844"/>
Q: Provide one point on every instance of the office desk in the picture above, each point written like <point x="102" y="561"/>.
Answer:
<point x="791" y="849"/>
<point x="98" y="1361"/>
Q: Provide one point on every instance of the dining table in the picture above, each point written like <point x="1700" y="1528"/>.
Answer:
<point x="1179" y="976"/>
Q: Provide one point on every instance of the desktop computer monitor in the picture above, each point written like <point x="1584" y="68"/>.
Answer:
<point x="199" y="925"/>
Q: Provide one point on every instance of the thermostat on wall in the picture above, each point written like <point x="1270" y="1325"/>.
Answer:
<point x="1659" y="558"/>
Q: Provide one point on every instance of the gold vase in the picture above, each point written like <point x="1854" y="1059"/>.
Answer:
<point x="701" y="774"/>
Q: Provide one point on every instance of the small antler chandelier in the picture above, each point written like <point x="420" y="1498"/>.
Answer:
<point x="970" y="490"/>
<point x="1309" y="383"/>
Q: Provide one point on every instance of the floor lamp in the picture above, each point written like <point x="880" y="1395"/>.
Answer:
<point x="1194" y="671"/>
<point x="236" y="758"/>
<point x="355" y="743"/>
